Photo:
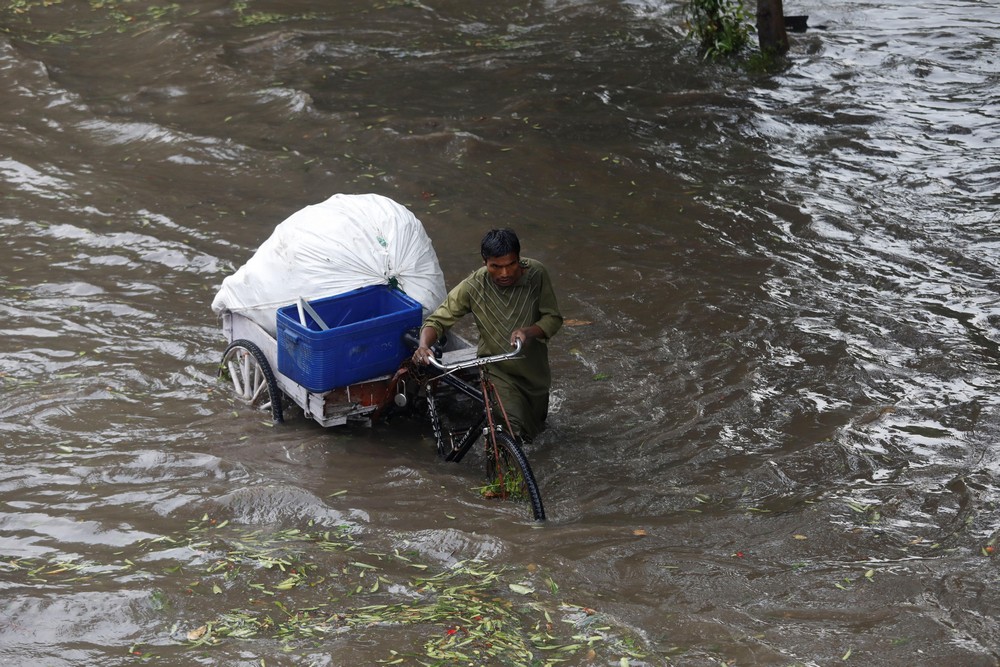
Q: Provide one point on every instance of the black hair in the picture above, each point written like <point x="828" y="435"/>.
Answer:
<point x="500" y="242"/>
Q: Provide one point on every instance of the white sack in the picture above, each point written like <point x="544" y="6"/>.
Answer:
<point x="346" y="242"/>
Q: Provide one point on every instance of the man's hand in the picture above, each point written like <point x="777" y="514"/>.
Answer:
<point x="423" y="353"/>
<point x="525" y="334"/>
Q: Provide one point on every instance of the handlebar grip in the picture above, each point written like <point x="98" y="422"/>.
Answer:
<point x="412" y="338"/>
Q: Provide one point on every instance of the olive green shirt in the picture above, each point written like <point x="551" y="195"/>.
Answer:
<point x="497" y="312"/>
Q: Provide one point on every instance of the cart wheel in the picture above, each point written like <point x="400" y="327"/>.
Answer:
<point x="246" y="366"/>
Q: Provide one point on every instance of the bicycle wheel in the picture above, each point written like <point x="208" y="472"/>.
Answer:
<point x="245" y="365"/>
<point x="508" y="475"/>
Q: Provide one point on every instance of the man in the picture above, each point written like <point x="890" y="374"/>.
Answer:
<point x="511" y="299"/>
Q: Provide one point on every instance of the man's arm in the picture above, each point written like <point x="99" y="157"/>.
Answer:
<point x="550" y="319"/>
<point x="423" y="353"/>
<point x="455" y="306"/>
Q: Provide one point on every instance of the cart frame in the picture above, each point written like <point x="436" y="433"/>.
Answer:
<point x="353" y="404"/>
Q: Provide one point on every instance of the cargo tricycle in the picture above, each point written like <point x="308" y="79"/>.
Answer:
<point x="346" y="360"/>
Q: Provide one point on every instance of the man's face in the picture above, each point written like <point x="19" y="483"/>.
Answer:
<point x="505" y="270"/>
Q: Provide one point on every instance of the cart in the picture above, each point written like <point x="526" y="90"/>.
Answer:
<point x="251" y="364"/>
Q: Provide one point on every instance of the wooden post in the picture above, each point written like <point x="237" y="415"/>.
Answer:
<point x="771" y="35"/>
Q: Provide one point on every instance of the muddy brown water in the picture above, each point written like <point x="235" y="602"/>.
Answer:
<point x="774" y="435"/>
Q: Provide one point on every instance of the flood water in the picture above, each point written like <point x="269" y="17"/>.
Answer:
<point x="775" y="429"/>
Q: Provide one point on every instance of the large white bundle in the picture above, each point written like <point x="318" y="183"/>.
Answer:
<point x="346" y="242"/>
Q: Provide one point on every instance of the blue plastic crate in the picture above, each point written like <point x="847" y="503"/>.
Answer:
<point x="364" y="340"/>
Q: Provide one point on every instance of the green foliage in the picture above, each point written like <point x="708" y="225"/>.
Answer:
<point x="722" y="27"/>
<point x="508" y="485"/>
<point x="120" y="16"/>
<point x="764" y="62"/>
<point x="226" y="589"/>
<point x="247" y="18"/>
<point x="91" y="19"/>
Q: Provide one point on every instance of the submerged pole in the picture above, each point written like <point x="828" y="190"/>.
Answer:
<point x="771" y="34"/>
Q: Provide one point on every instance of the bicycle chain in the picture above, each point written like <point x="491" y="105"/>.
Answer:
<point x="435" y="421"/>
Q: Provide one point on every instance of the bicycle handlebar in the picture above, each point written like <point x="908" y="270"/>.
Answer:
<point x="478" y="361"/>
<point x="411" y="338"/>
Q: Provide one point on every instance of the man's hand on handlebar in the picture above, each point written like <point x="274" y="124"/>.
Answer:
<point x="525" y="334"/>
<point x="423" y="353"/>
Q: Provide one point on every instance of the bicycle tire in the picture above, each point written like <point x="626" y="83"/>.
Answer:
<point x="509" y="456"/>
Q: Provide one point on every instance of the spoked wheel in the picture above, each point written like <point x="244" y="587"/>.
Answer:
<point x="246" y="367"/>
<point x="508" y="475"/>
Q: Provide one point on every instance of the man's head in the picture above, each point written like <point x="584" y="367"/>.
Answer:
<point x="501" y="252"/>
<point x="500" y="242"/>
